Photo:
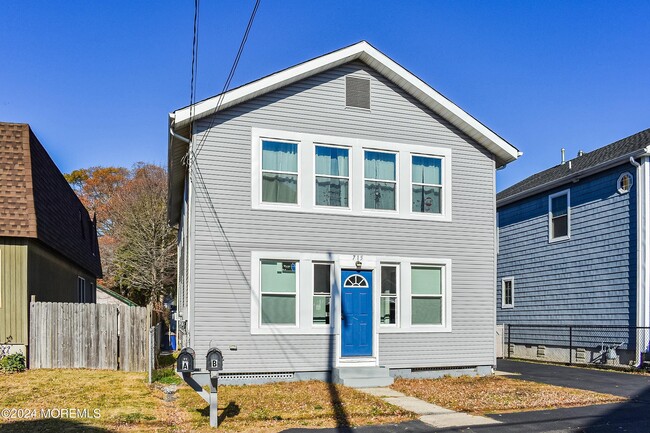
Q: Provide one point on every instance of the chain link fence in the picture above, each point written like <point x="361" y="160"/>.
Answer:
<point x="577" y="344"/>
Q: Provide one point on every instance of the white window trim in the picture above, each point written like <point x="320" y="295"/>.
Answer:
<point x="620" y="178"/>
<point x="396" y="181"/>
<point x="304" y="295"/>
<point x="306" y="172"/>
<point x="566" y="192"/>
<point x="503" y="292"/>
<point x="348" y="177"/>
<point x="442" y="296"/>
<point x="443" y="201"/>
<point x="260" y="178"/>
<point x="256" y="276"/>
<point x="314" y="295"/>
<point x="398" y="297"/>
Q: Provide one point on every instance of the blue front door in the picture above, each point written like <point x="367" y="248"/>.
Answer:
<point x="356" y="313"/>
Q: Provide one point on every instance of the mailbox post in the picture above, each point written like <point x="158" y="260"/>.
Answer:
<point x="197" y="379"/>
<point x="214" y="364"/>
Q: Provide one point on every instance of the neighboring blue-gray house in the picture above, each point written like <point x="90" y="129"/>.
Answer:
<point x="335" y="218"/>
<point x="573" y="250"/>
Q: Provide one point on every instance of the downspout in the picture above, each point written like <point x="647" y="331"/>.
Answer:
<point x="642" y="270"/>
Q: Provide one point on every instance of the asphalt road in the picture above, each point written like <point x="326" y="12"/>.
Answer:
<point x="632" y="416"/>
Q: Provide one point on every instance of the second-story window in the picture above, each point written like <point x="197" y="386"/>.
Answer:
<point x="332" y="176"/>
<point x="279" y="172"/>
<point x="426" y="184"/>
<point x="380" y="180"/>
<point x="559" y="216"/>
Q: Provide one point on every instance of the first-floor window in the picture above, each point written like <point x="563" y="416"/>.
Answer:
<point x="426" y="295"/>
<point x="278" y="287"/>
<point x="322" y="293"/>
<point x="508" y="292"/>
<point x="388" y="297"/>
<point x="81" y="289"/>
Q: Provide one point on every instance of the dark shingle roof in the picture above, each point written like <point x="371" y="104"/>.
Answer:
<point x="589" y="160"/>
<point x="37" y="202"/>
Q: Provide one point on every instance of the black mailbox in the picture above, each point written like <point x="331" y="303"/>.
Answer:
<point x="214" y="360"/>
<point x="185" y="361"/>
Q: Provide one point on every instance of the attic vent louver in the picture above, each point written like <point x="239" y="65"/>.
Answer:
<point x="357" y="92"/>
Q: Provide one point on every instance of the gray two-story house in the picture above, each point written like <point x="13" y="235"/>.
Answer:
<point x="574" y="251"/>
<point x="336" y="221"/>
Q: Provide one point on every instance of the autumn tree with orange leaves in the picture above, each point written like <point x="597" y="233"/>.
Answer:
<point x="137" y="246"/>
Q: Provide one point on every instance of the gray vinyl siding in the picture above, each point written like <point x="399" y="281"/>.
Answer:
<point x="587" y="280"/>
<point x="221" y="250"/>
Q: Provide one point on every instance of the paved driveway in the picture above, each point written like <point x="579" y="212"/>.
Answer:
<point x="609" y="382"/>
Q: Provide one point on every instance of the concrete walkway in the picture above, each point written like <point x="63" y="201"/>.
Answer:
<point x="430" y="414"/>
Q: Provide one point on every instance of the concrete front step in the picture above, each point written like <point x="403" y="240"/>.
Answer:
<point x="362" y="377"/>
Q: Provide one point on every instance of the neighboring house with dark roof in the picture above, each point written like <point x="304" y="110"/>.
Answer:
<point x="574" y="249"/>
<point x="336" y="220"/>
<point x="48" y="242"/>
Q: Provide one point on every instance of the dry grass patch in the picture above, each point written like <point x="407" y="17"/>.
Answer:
<point x="480" y="395"/>
<point x="124" y="400"/>
<point x="274" y="407"/>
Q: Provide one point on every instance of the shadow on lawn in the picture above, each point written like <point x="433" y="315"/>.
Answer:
<point x="230" y="411"/>
<point x="50" y="425"/>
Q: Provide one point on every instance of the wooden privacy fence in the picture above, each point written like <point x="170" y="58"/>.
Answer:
<point x="99" y="336"/>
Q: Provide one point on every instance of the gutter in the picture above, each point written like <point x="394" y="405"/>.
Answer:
<point x="574" y="177"/>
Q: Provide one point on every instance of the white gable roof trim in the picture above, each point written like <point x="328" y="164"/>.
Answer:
<point x="504" y="151"/>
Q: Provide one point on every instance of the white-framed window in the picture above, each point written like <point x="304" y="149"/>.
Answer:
<point x="508" y="292"/>
<point x="279" y="289"/>
<point x="280" y="181"/>
<point x="389" y="295"/>
<point x="322" y="296"/>
<point x="81" y="289"/>
<point x="315" y="173"/>
<point x="332" y="176"/>
<point x="380" y="180"/>
<point x="426" y="184"/>
<point x="559" y="216"/>
<point x="625" y="182"/>
<point x="409" y="294"/>
<point x="427" y="293"/>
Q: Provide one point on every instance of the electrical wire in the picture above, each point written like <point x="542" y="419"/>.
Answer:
<point x="231" y="75"/>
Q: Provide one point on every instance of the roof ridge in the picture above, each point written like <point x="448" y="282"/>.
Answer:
<point x="588" y="160"/>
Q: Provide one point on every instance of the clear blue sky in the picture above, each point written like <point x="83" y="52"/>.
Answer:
<point x="97" y="79"/>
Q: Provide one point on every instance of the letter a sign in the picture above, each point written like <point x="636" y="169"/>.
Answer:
<point x="186" y="365"/>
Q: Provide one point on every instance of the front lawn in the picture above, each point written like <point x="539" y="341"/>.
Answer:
<point x="275" y="407"/>
<point x="125" y="403"/>
<point x="492" y="394"/>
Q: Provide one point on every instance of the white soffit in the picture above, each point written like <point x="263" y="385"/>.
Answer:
<point x="382" y="64"/>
